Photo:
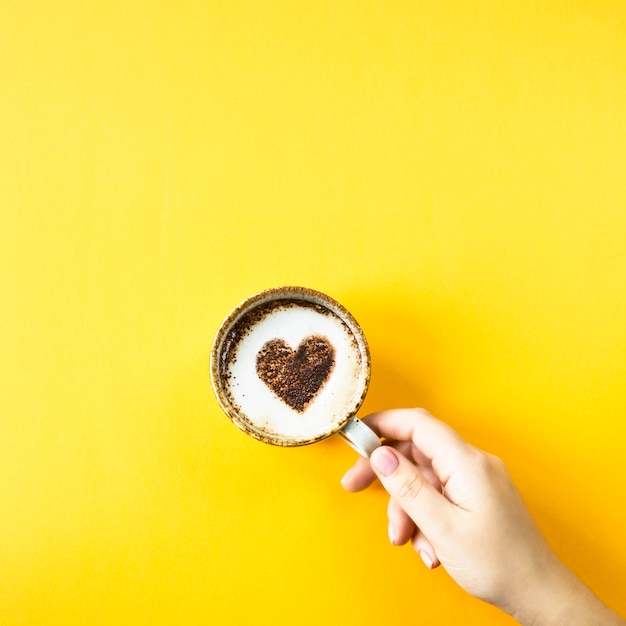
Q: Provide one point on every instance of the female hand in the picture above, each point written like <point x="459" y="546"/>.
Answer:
<point x="459" y="508"/>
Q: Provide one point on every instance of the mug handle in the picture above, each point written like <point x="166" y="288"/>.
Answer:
<point x="359" y="436"/>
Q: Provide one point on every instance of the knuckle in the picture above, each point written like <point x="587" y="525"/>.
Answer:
<point x="484" y="462"/>
<point x="497" y="465"/>
<point x="410" y="488"/>
<point x="493" y="471"/>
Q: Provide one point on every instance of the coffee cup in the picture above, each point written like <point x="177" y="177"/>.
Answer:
<point x="290" y="366"/>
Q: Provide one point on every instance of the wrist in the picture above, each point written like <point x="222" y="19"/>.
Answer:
<point x="558" y="598"/>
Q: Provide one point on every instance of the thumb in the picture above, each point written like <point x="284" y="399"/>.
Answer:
<point x="403" y="480"/>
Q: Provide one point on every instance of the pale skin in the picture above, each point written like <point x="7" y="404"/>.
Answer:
<point x="459" y="508"/>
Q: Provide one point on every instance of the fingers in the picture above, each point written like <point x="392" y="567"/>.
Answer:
<point x="429" y="434"/>
<point x="425" y="549"/>
<point x="359" y="476"/>
<point x="418" y="511"/>
<point x="424" y="504"/>
<point x="402" y="529"/>
<point x="434" y="440"/>
<point x="401" y="526"/>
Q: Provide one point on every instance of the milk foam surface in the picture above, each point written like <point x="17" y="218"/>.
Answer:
<point x="266" y="411"/>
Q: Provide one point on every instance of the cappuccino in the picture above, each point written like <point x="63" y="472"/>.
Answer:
<point x="290" y="366"/>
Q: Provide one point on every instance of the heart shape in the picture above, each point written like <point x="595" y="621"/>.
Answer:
<point x="296" y="376"/>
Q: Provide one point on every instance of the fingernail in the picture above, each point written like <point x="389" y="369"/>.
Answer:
<point x="347" y="477"/>
<point x="392" y="533"/>
<point x="426" y="558"/>
<point x="384" y="461"/>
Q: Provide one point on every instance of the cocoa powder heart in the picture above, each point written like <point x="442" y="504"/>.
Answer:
<point x="296" y="376"/>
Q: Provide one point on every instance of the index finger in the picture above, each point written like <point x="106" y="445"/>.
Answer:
<point x="441" y="444"/>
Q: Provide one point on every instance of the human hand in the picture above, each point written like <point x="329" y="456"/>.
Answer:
<point x="459" y="508"/>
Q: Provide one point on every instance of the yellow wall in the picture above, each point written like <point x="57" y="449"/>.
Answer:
<point x="454" y="173"/>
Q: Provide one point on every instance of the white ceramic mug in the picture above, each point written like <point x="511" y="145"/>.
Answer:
<point x="295" y="305"/>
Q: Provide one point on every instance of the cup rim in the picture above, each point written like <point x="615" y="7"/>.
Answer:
<point x="288" y="293"/>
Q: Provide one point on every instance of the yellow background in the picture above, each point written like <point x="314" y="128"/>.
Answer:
<point x="454" y="173"/>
